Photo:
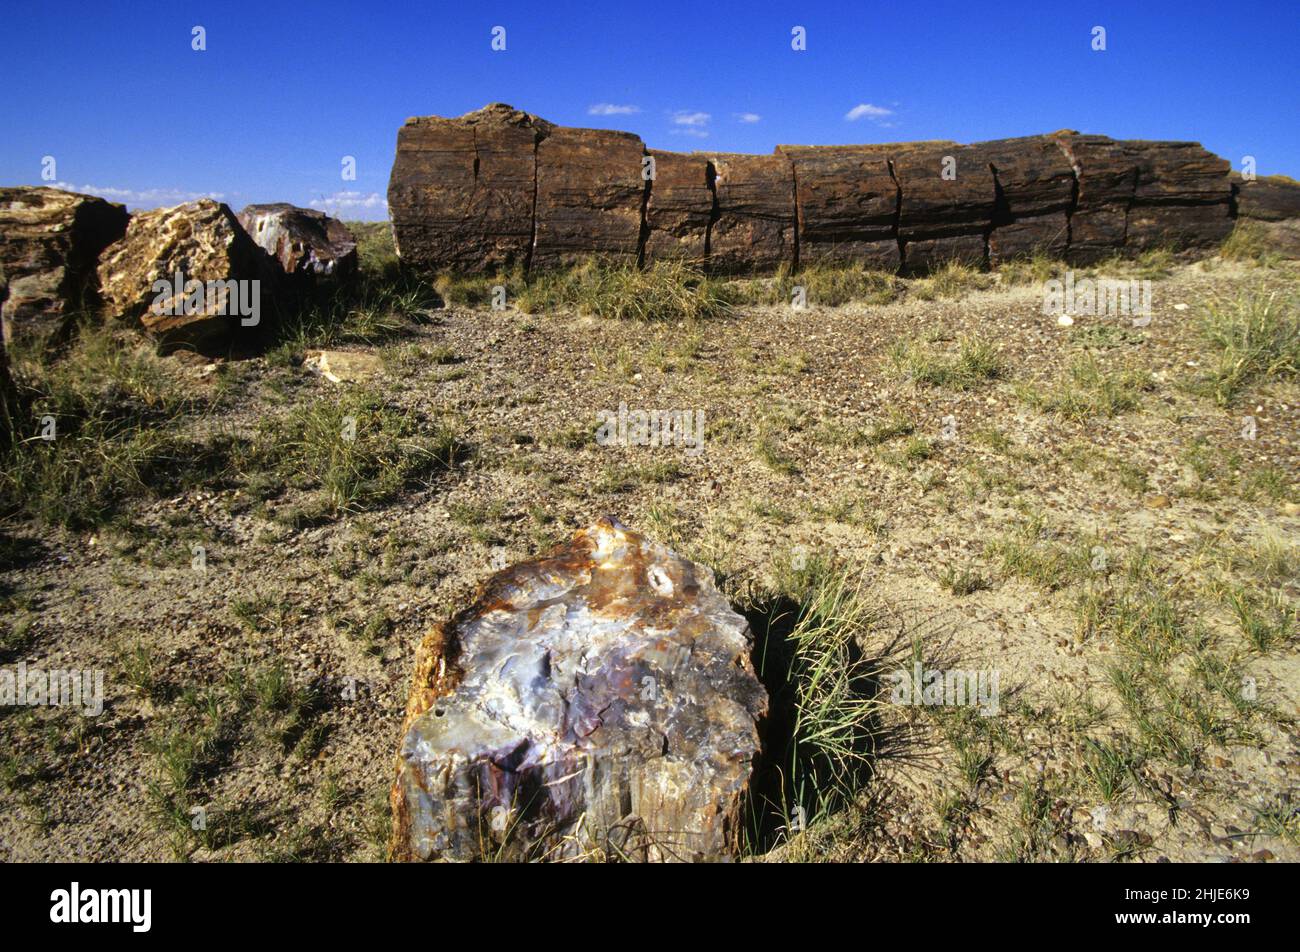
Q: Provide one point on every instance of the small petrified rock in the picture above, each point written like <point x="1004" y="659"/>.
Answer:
<point x="313" y="249"/>
<point x="343" y="366"/>
<point x="600" y="697"/>
<point x="202" y="242"/>
<point x="49" y="243"/>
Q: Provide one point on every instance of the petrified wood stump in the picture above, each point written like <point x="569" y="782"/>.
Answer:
<point x="598" y="700"/>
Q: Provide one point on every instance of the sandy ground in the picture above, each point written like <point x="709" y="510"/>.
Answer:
<point x="342" y="604"/>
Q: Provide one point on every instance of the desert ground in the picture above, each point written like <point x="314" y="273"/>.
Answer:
<point x="1103" y="513"/>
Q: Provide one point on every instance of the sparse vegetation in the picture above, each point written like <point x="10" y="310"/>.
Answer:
<point x="1088" y="389"/>
<point x="664" y="291"/>
<point x="976" y="361"/>
<point x="1256" y="337"/>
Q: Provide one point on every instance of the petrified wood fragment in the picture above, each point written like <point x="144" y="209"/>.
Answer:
<point x="1181" y="198"/>
<point x="679" y="208"/>
<point x="221" y="282"/>
<point x="590" y="193"/>
<point x="1107" y="177"/>
<point x="1035" y="190"/>
<point x="49" y="243"/>
<point x="461" y="191"/>
<point x="847" y="204"/>
<point x="312" y="248"/>
<point x="946" y="207"/>
<point x="598" y="698"/>
<point x="754" y="229"/>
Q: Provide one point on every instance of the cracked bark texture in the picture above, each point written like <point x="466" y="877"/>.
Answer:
<point x="461" y="192"/>
<point x="590" y="196"/>
<point x="679" y="209"/>
<point x="499" y="186"/>
<point x="846" y="204"/>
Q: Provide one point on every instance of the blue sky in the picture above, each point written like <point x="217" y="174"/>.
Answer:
<point x="114" y="92"/>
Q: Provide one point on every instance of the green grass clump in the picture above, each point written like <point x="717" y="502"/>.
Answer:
<point x="825" y="285"/>
<point x="1249" y="242"/>
<point x="1256" y="338"/>
<point x="953" y="279"/>
<point x="475" y="290"/>
<point x="810" y="658"/>
<point x="1087" y="389"/>
<point x="355" y="451"/>
<point x="976" y="362"/>
<point x="664" y="291"/>
<point x="377" y="309"/>
<point x="376" y="250"/>
<point x="117" y="409"/>
<point x="1034" y="268"/>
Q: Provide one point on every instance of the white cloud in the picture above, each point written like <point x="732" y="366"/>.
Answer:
<point x="694" y="133"/>
<point x="350" y="202"/>
<point x="748" y="117"/>
<point x="867" y="111"/>
<point x="685" y="118"/>
<point x="150" y="197"/>
<point x="610" y="109"/>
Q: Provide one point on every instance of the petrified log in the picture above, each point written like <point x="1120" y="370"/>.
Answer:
<point x="947" y="196"/>
<point x="1272" y="204"/>
<point x="1266" y="198"/>
<point x="500" y="187"/>
<point x="218" y="281"/>
<point x="598" y="698"/>
<point x="1107" y="176"/>
<point x="312" y="248"/>
<point x="847" y="204"/>
<point x="49" y="242"/>
<point x="754" y="228"/>
<point x="1136" y="195"/>
<point x="590" y="194"/>
<point x="461" y="191"/>
<point x="8" y="403"/>
<point x="1035" y="189"/>
<point x="679" y="208"/>
<point x="1181" y="198"/>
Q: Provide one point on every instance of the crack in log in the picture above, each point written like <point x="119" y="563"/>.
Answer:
<point x="643" y="236"/>
<point x="898" y="218"/>
<point x="711" y="179"/>
<point x="1001" y="215"/>
<point x="538" y="136"/>
<point x="798" y="215"/>
<point x="1074" y="195"/>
